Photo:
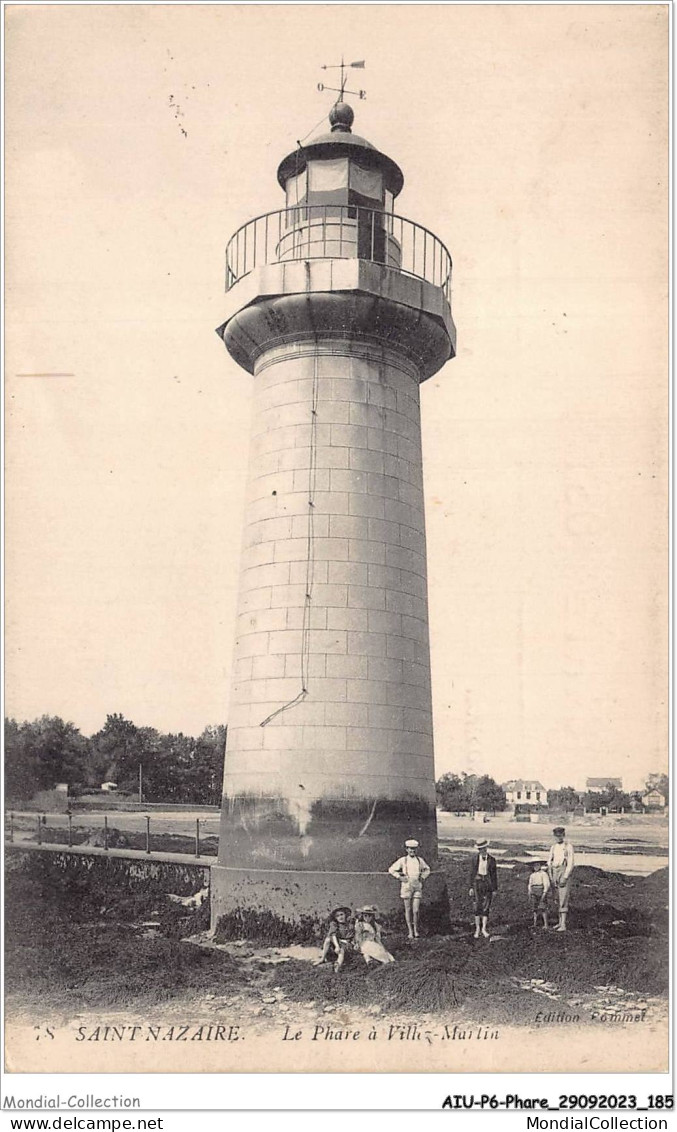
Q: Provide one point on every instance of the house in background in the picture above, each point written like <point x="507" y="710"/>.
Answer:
<point x="524" y="795"/>
<point x="602" y="785"/>
<point x="653" y="800"/>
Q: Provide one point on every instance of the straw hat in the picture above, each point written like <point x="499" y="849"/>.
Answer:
<point x="483" y="844"/>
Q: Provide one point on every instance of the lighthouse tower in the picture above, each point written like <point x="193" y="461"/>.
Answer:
<point x="339" y="308"/>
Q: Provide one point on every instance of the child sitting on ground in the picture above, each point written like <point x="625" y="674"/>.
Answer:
<point x="338" y="940"/>
<point x="368" y="937"/>
<point x="538" y="889"/>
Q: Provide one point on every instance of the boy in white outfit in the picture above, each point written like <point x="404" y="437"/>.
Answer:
<point x="412" y="871"/>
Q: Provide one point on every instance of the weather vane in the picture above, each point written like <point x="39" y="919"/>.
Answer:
<point x="343" y="67"/>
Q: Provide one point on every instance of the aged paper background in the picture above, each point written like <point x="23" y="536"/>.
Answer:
<point x="533" y="141"/>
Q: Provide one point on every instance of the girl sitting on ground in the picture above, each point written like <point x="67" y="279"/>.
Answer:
<point x="339" y="938"/>
<point x="368" y="937"/>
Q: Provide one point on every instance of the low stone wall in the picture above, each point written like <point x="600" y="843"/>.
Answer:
<point x="93" y="802"/>
<point x="136" y="871"/>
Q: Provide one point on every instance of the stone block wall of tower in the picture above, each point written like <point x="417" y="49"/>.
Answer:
<point x="332" y="600"/>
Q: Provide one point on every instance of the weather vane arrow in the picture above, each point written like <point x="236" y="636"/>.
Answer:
<point x="343" y="67"/>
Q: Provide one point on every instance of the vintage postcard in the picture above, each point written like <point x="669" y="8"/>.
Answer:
<point x="336" y="507"/>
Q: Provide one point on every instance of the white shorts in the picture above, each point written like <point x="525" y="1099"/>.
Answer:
<point x="411" y="890"/>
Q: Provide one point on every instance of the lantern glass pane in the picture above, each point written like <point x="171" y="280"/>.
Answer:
<point x="366" y="182"/>
<point x="325" y="176"/>
<point x="296" y="189"/>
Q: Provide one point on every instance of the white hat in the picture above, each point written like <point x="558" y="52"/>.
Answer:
<point x="411" y="844"/>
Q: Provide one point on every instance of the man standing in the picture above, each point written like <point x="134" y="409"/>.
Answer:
<point x="560" y="868"/>
<point x="411" y="870"/>
<point x="483" y="885"/>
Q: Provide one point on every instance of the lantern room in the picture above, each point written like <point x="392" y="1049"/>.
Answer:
<point x="340" y="192"/>
<point x="340" y="168"/>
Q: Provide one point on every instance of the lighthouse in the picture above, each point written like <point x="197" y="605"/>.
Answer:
<point x="338" y="308"/>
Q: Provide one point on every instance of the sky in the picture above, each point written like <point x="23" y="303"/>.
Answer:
<point x="533" y="144"/>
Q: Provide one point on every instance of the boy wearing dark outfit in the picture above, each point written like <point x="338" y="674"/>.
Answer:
<point x="483" y="885"/>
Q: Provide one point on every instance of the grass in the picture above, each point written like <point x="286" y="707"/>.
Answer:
<point x="618" y="936"/>
<point x="79" y="945"/>
<point x="265" y="928"/>
<point x="75" y="942"/>
<point x="443" y="975"/>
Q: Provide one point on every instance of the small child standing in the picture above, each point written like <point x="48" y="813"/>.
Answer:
<point x="538" y="889"/>
<point x="338" y="940"/>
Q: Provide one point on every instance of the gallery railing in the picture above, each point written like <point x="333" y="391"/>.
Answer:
<point x="333" y="231"/>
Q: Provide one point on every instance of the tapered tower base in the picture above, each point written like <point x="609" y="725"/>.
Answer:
<point x="303" y="899"/>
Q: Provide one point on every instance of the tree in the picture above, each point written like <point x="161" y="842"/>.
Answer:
<point x="21" y="770"/>
<point x="179" y="768"/>
<point x="41" y="753"/>
<point x="609" y="799"/>
<point x="452" y="794"/>
<point x="488" y="795"/>
<point x="620" y="801"/>
<point x="115" y="751"/>
<point x="566" y="798"/>
<point x="174" y="767"/>
<point x="210" y="750"/>
<point x="469" y="792"/>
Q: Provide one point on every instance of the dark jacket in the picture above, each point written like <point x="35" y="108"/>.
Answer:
<point x="492" y="874"/>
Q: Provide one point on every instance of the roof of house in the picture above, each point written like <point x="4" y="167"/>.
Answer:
<point x="654" y="793"/>
<point x="602" y="782"/>
<point x="523" y="784"/>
